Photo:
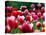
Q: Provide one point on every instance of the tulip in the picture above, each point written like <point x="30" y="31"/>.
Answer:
<point x="26" y="12"/>
<point x="32" y="13"/>
<point x="20" y="28"/>
<point x="42" y="10"/>
<point x="27" y="18"/>
<point x="38" y="24"/>
<point x="7" y="29"/>
<point x="43" y="29"/>
<point x="8" y="9"/>
<point x="8" y="14"/>
<point x="39" y="14"/>
<point x="14" y="9"/>
<point x="15" y="24"/>
<point x="23" y="8"/>
<point x="32" y="5"/>
<point x="15" y="13"/>
<point x="25" y="27"/>
<point x="12" y="22"/>
<point x="21" y="19"/>
<point x="35" y="17"/>
<point x="31" y="27"/>
<point x="20" y="12"/>
<point x="43" y="25"/>
<point x="39" y="5"/>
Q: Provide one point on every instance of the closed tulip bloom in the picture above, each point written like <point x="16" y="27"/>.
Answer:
<point x="32" y="5"/>
<point x="23" y="8"/>
<point x="7" y="29"/>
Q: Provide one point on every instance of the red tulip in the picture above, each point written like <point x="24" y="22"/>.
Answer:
<point x="7" y="14"/>
<point x="31" y="27"/>
<point x="14" y="9"/>
<point x="27" y="18"/>
<point x="27" y="22"/>
<point x="12" y="22"/>
<point x="15" y="24"/>
<point x="20" y="28"/>
<point x="20" y="13"/>
<point x="43" y="25"/>
<point x="26" y="11"/>
<point x="42" y="10"/>
<point x="36" y="11"/>
<point x="23" y="8"/>
<point x="25" y="27"/>
<point x="8" y="9"/>
<point x="32" y="13"/>
<point x="15" y="13"/>
<point x="43" y="29"/>
<point x="11" y="18"/>
<point x="39" y="14"/>
<point x="21" y="19"/>
<point x="35" y="17"/>
<point x="7" y="29"/>
<point x="38" y="24"/>
<point x="5" y="21"/>
<point x="43" y="17"/>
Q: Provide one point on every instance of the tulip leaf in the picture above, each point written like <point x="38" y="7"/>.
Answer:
<point x="15" y="30"/>
<point x="34" y="25"/>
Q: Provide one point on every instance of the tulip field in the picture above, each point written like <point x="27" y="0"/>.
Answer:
<point x="24" y="17"/>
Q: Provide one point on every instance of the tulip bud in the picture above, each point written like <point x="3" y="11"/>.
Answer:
<point x="38" y="24"/>
<point x="32" y="5"/>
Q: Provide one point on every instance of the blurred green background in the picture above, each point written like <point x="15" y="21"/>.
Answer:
<point x="18" y="4"/>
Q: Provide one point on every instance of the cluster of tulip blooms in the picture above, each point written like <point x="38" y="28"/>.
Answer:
<point x="23" y="19"/>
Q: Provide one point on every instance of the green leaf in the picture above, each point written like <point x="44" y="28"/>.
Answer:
<point x="15" y="30"/>
<point x="34" y="25"/>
